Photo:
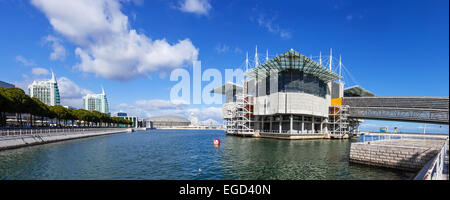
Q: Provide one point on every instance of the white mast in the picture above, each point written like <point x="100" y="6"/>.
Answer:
<point x="246" y="62"/>
<point x="256" y="57"/>
<point x="340" y="67"/>
<point x="320" y="57"/>
<point x="331" y="57"/>
<point x="53" y="77"/>
<point x="267" y="55"/>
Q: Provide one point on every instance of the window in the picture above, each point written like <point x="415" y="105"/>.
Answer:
<point x="292" y="80"/>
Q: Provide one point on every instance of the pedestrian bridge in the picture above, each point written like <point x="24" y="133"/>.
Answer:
<point x="409" y="109"/>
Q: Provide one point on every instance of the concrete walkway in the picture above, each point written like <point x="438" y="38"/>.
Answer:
<point x="17" y="141"/>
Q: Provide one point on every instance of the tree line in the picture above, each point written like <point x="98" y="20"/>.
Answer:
<point x="15" y="101"/>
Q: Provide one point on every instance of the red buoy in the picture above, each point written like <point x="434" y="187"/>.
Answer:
<point x="216" y="142"/>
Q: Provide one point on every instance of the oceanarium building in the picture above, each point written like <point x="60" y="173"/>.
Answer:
<point x="288" y="94"/>
<point x="46" y="91"/>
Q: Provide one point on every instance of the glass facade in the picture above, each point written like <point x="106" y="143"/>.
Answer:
<point x="96" y="102"/>
<point x="291" y="80"/>
<point x="46" y="91"/>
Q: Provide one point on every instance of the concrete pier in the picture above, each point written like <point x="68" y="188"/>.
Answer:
<point x="17" y="141"/>
<point x="286" y="136"/>
<point x="404" y="154"/>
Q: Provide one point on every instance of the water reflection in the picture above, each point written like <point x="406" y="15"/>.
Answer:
<point x="187" y="154"/>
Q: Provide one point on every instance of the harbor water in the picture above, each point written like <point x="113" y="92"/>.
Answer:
<point x="188" y="154"/>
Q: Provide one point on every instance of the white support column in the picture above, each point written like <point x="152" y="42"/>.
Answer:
<point x="281" y="123"/>
<point x="321" y="126"/>
<point x="291" y="123"/>
<point x="312" y="124"/>
<point x="303" y="123"/>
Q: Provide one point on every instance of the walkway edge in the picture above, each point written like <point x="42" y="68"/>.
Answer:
<point x="31" y="140"/>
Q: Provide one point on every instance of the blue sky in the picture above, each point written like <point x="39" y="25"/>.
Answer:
<point x="392" y="48"/>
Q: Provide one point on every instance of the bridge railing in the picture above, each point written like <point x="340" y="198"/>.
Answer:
<point x="434" y="169"/>
<point x="441" y="103"/>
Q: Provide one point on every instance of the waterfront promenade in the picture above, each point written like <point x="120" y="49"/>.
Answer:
<point x="425" y="154"/>
<point x="10" y="139"/>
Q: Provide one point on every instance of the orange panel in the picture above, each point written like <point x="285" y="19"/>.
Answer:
<point x="336" y="102"/>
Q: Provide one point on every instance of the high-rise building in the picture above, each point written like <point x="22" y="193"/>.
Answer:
<point x="97" y="102"/>
<point x="46" y="91"/>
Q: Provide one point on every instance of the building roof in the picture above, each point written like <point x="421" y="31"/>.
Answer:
<point x="357" y="91"/>
<point x="168" y="119"/>
<point x="293" y="60"/>
<point x="229" y="85"/>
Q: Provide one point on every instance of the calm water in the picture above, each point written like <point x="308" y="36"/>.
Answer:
<point x="187" y="154"/>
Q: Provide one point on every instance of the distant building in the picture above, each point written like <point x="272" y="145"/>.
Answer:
<point x="97" y="102"/>
<point x="121" y="114"/>
<point x="6" y="85"/>
<point x="134" y="120"/>
<point x="168" y="122"/>
<point x="46" y="91"/>
<point x="69" y="107"/>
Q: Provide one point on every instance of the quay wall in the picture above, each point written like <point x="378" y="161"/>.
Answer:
<point x="12" y="142"/>
<point x="397" y="157"/>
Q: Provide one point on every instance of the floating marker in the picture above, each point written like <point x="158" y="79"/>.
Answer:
<point x="216" y="142"/>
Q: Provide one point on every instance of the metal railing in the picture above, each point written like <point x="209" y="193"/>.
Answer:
<point x="39" y="131"/>
<point x="373" y="138"/>
<point x="434" y="169"/>
<point x="295" y="132"/>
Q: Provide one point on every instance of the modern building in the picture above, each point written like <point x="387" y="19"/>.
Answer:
<point x="46" y="91"/>
<point x="162" y="122"/>
<point x="97" y="102"/>
<point x="144" y="123"/>
<point x="132" y="119"/>
<point x="121" y="114"/>
<point x="6" y="85"/>
<point x="288" y="94"/>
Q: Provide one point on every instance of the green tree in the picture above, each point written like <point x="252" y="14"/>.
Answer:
<point x="41" y="110"/>
<point x="61" y="112"/>
<point x="5" y="104"/>
<point x="20" y="102"/>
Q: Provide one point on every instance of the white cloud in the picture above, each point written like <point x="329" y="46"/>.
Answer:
<point x="71" y="94"/>
<point x="159" y="107"/>
<point x="268" y="24"/>
<point x="158" y="104"/>
<point x="200" y="7"/>
<point x="25" y="61"/>
<point x="202" y="114"/>
<point x="107" y="45"/>
<point x="349" y="17"/>
<point x="59" y="52"/>
<point x="223" y="48"/>
<point x="39" y="71"/>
